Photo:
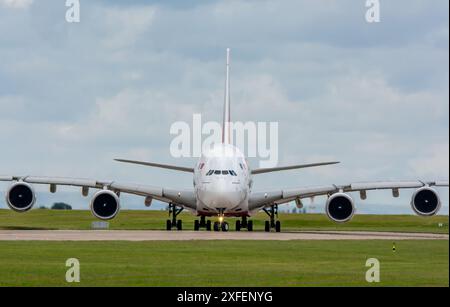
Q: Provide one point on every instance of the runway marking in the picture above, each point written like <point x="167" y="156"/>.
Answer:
<point x="149" y="235"/>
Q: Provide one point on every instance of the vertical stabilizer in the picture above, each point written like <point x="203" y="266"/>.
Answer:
<point x="226" y="128"/>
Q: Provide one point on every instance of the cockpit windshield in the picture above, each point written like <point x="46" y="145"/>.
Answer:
<point x="221" y="172"/>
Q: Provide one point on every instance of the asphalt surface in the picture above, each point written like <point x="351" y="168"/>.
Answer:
<point x="136" y="235"/>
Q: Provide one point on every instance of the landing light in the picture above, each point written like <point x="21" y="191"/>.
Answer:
<point x="220" y="219"/>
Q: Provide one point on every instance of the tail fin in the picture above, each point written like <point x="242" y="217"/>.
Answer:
<point x="226" y="129"/>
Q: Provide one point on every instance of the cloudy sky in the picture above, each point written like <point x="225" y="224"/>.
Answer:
<point x="73" y="96"/>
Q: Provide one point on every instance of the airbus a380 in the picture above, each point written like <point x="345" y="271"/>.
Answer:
<point x="223" y="188"/>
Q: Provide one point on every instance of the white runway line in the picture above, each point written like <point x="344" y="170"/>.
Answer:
<point x="148" y="235"/>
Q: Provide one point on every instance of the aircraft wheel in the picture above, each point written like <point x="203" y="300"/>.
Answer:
<point x="208" y="225"/>
<point x="238" y="225"/>
<point x="179" y="225"/>
<point x="225" y="227"/>
<point x="168" y="225"/>
<point x="267" y="226"/>
<point x="196" y="225"/>
<point x="250" y="225"/>
<point x="216" y="226"/>
<point x="278" y="226"/>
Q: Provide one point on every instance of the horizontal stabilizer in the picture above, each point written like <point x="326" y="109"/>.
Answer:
<point x="285" y="168"/>
<point x="166" y="166"/>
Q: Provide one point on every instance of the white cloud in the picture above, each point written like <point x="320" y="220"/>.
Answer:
<point x="16" y="4"/>
<point x="375" y="98"/>
<point x="433" y="164"/>
<point x="125" y="26"/>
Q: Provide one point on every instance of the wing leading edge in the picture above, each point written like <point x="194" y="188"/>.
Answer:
<point x="290" y="167"/>
<point x="166" y="166"/>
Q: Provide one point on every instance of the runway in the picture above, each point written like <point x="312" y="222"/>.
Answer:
<point x="147" y="235"/>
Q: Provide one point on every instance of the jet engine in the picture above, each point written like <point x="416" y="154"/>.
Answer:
<point x="340" y="207"/>
<point x="425" y="202"/>
<point x="105" y="205"/>
<point x="20" y="197"/>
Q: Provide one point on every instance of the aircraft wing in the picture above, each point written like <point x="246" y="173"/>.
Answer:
<point x="290" y="167"/>
<point x="263" y="199"/>
<point x="166" y="166"/>
<point x="185" y="198"/>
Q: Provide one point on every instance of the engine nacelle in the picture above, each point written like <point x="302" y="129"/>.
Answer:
<point x="20" y="197"/>
<point x="340" y="207"/>
<point x="105" y="205"/>
<point x="426" y="202"/>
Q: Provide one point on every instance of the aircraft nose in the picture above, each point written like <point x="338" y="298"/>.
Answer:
<point x="220" y="197"/>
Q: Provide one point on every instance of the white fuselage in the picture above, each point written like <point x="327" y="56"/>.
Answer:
<point x="222" y="182"/>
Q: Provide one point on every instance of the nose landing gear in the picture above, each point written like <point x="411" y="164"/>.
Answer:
<point x="221" y="226"/>
<point x="272" y="224"/>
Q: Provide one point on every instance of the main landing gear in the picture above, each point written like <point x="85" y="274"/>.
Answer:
<point x="222" y="225"/>
<point x="272" y="224"/>
<point x="219" y="225"/>
<point x="203" y="223"/>
<point x="174" y="223"/>
<point x="244" y="224"/>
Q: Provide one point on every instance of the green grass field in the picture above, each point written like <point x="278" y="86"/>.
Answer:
<point x="225" y="263"/>
<point x="155" y="220"/>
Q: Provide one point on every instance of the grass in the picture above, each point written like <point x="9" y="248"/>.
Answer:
<point x="225" y="263"/>
<point x="155" y="220"/>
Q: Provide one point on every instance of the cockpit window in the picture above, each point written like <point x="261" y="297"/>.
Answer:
<point x="221" y="172"/>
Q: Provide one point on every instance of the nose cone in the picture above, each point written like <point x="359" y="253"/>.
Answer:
<point x="221" y="196"/>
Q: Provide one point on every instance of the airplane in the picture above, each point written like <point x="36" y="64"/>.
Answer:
<point x="222" y="187"/>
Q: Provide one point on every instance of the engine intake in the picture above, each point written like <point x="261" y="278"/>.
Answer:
<point x="20" y="197"/>
<point x="340" y="207"/>
<point x="105" y="205"/>
<point x="426" y="202"/>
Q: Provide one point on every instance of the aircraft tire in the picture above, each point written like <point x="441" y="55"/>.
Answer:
<point x="225" y="227"/>
<point x="278" y="226"/>
<point x="267" y="226"/>
<point x="250" y="225"/>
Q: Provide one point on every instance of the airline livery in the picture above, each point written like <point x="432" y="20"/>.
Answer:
<point x="223" y="188"/>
